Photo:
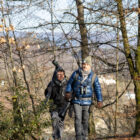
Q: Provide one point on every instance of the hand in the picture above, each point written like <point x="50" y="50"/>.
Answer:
<point x="99" y="104"/>
<point x="67" y="96"/>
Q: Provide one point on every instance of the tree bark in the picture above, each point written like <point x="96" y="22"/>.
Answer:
<point x="83" y="29"/>
<point x="125" y="37"/>
<point x="137" y="78"/>
<point x="133" y="68"/>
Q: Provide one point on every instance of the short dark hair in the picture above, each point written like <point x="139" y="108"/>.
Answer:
<point x="61" y="70"/>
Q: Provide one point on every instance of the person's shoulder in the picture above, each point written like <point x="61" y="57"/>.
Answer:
<point x="93" y="72"/>
<point x="78" y="70"/>
<point x="51" y="83"/>
<point x="75" y="72"/>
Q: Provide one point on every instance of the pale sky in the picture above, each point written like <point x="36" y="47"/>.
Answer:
<point x="33" y="15"/>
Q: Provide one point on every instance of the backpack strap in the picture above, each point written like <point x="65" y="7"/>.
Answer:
<point x="76" y="77"/>
<point x="93" y="77"/>
<point x="77" y="74"/>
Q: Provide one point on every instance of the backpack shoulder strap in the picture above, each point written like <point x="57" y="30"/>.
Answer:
<point x="75" y="79"/>
<point x="93" y="77"/>
<point x="76" y="75"/>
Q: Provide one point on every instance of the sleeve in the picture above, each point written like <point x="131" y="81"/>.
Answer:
<point x="69" y="87"/>
<point x="97" y="89"/>
<point x="48" y="91"/>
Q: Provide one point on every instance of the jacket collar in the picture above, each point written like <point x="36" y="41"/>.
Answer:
<point x="80" y="72"/>
<point x="60" y="83"/>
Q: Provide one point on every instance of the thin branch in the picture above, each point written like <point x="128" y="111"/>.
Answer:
<point x="118" y="96"/>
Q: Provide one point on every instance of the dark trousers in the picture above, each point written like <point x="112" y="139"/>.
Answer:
<point x="81" y="121"/>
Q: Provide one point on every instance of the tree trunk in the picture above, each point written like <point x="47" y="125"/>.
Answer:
<point x="134" y="69"/>
<point x="137" y="91"/>
<point x="91" y="128"/>
<point x="83" y="29"/>
<point x="125" y="37"/>
<point x="137" y="78"/>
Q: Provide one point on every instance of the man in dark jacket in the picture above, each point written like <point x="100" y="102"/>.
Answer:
<point x="81" y="87"/>
<point x="55" y="91"/>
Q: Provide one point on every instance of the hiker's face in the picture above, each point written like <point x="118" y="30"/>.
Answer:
<point x="86" y="67"/>
<point x="60" y="75"/>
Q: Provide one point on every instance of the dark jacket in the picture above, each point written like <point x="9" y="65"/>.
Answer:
<point x="56" y="91"/>
<point x="83" y="92"/>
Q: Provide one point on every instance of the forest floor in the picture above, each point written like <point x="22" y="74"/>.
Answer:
<point x="126" y="120"/>
<point x="69" y="133"/>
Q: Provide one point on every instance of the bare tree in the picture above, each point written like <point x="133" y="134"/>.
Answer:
<point x="86" y="27"/>
<point x="134" y="66"/>
<point x="83" y="29"/>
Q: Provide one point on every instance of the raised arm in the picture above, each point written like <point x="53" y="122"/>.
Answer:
<point x="48" y="92"/>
